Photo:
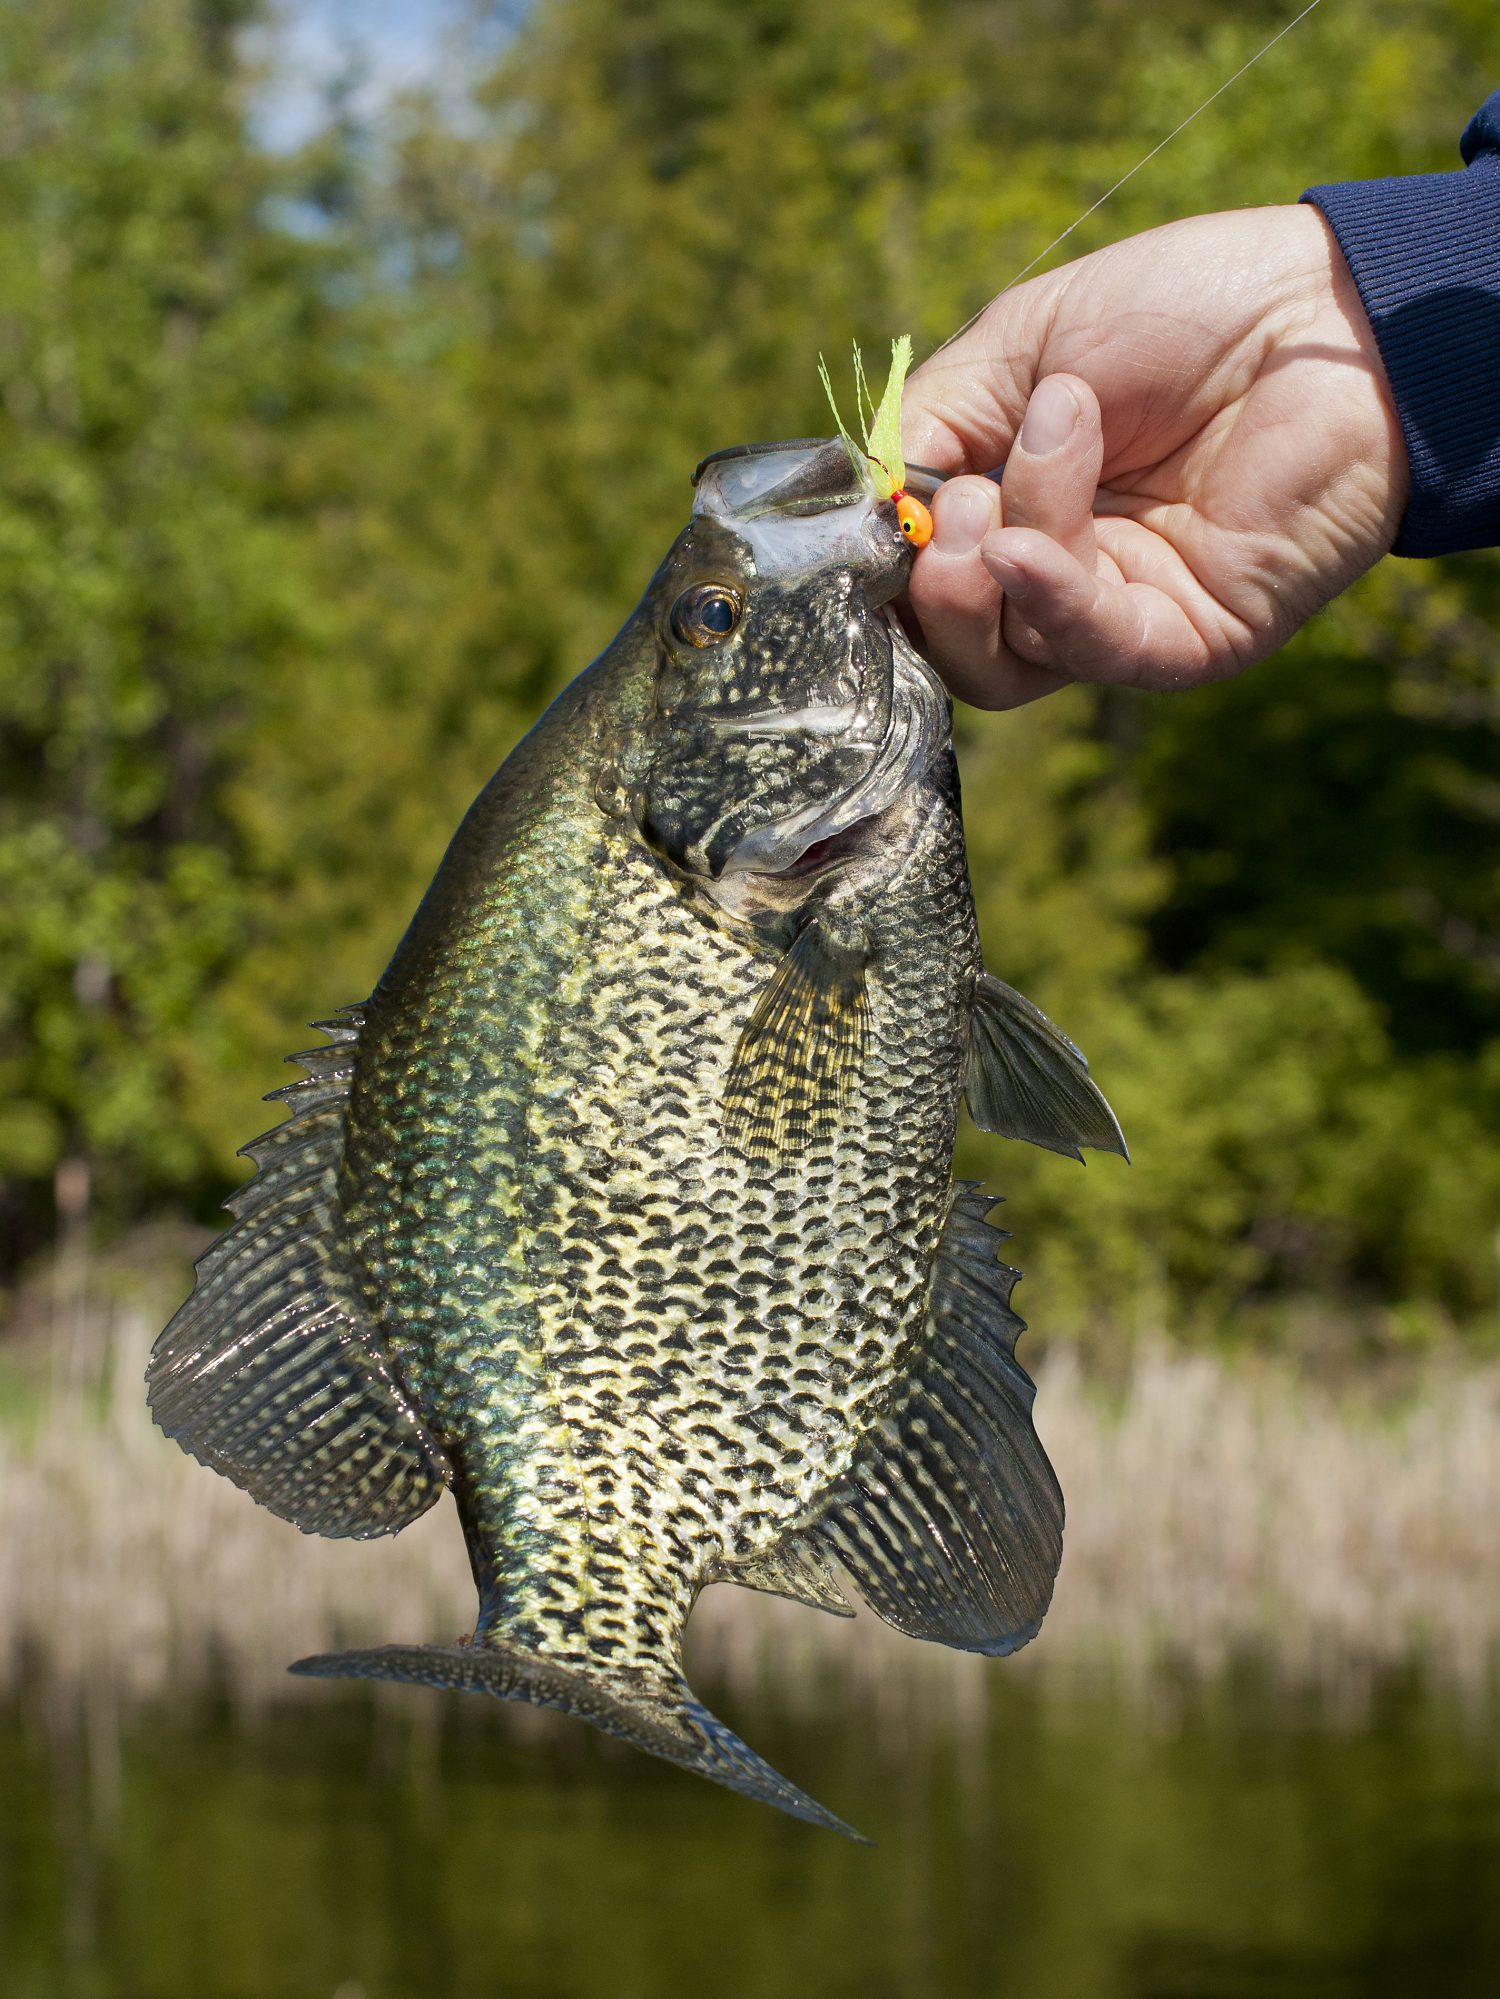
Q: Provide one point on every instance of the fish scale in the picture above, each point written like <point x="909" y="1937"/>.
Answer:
<point x="623" y="1207"/>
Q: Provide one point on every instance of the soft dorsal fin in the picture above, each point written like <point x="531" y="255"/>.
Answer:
<point x="950" y="1519"/>
<point x="801" y="1049"/>
<point x="271" y="1373"/>
<point x="1027" y="1080"/>
<point x="795" y="1567"/>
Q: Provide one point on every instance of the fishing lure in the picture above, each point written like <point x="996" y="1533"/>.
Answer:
<point x="878" y="461"/>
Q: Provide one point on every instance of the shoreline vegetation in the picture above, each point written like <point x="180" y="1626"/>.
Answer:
<point x="1220" y="1513"/>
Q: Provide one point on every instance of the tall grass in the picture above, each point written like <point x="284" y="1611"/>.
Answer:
<point x="1215" y="1512"/>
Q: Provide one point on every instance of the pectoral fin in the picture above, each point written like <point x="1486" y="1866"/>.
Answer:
<point x="1027" y="1080"/>
<point x="801" y="1049"/>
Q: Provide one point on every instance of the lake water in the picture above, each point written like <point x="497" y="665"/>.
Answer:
<point x="350" y="1848"/>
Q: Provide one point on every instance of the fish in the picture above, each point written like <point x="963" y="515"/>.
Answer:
<point x="624" y="1207"/>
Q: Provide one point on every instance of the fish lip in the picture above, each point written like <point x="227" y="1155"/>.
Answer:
<point x="917" y="731"/>
<point x="923" y="480"/>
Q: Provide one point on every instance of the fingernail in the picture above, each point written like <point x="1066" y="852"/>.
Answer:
<point x="1050" y="417"/>
<point x="1012" y="579"/>
<point x="961" y="520"/>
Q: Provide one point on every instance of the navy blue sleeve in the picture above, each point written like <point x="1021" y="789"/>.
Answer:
<point x="1425" y="255"/>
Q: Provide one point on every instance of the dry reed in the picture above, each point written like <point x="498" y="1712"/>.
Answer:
<point x="1215" y="1512"/>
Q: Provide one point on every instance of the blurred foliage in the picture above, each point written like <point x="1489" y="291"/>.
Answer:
<point x="320" y="474"/>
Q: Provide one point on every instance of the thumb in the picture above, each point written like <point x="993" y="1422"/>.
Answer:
<point x="1052" y="473"/>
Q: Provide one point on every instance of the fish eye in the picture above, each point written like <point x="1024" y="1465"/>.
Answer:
<point x="706" y="614"/>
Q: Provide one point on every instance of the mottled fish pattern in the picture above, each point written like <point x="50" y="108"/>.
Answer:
<point x="624" y="1206"/>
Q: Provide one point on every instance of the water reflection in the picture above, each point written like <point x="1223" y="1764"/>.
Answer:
<point x="357" y="1849"/>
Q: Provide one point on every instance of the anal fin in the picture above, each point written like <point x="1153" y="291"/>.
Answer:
<point x="271" y="1373"/>
<point x="950" y="1519"/>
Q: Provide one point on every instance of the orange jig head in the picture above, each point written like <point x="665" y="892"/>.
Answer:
<point x="913" y="519"/>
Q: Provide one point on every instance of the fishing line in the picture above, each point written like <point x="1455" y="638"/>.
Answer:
<point x="1212" y="98"/>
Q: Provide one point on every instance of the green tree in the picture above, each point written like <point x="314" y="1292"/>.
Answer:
<point x="162" y="341"/>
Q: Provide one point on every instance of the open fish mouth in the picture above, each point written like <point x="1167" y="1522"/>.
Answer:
<point x="827" y="853"/>
<point x="811" y="837"/>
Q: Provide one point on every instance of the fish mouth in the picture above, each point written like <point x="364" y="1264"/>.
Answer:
<point x="800" y="507"/>
<point x="826" y="853"/>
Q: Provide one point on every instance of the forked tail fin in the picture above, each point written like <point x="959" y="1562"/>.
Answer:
<point x="657" y="1715"/>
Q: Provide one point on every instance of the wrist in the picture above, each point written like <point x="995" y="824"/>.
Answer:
<point x="1369" y="419"/>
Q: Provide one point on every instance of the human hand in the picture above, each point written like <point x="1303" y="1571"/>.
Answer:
<point x="1209" y="454"/>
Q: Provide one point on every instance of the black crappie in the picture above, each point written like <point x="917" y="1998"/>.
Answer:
<point x="624" y="1206"/>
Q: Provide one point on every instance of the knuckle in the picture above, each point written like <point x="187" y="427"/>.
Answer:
<point x="1026" y="642"/>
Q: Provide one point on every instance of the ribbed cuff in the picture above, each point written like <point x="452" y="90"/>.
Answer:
<point x="1482" y="133"/>
<point x="1424" y="253"/>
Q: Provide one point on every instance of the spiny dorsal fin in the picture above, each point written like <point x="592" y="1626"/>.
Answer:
<point x="795" y="1567"/>
<point x="950" y="1519"/>
<point x="801" y="1049"/>
<point x="271" y="1373"/>
<point x="1027" y="1080"/>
